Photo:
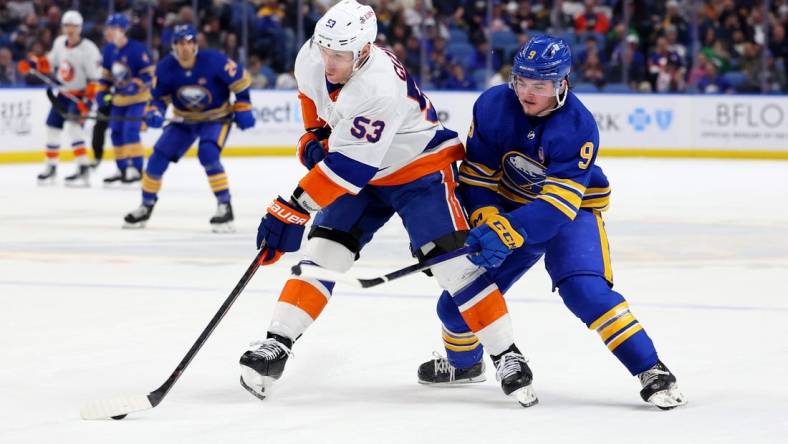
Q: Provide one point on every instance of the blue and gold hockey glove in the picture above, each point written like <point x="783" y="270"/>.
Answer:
<point x="281" y="230"/>
<point x="154" y="118"/>
<point x="482" y="214"/>
<point x="103" y="98"/>
<point x="313" y="146"/>
<point x="495" y="240"/>
<point x="244" y="118"/>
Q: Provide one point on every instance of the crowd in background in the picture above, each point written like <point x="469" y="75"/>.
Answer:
<point x="705" y="46"/>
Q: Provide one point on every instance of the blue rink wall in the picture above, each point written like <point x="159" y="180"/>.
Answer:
<point x="713" y="126"/>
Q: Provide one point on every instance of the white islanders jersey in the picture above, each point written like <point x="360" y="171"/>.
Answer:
<point x="76" y="66"/>
<point x="384" y="131"/>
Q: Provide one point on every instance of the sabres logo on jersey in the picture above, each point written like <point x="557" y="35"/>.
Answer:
<point x="523" y="172"/>
<point x="120" y="72"/>
<point x="194" y="97"/>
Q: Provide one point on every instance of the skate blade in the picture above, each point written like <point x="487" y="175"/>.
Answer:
<point x="668" y="399"/>
<point x="223" y="228"/>
<point x="525" y="396"/>
<point x="481" y="378"/>
<point x="258" y="385"/>
<point x="134" y="225"/>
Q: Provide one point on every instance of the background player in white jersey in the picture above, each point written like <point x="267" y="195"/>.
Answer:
<point x="387" y="153"/>
<point x="75" y="62"/>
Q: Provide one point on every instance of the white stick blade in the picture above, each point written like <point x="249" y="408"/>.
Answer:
<point x="108" y="408"/>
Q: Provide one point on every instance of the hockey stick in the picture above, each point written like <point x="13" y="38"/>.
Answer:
<point x="308" y="270"/>
<point x="118" y="408"/>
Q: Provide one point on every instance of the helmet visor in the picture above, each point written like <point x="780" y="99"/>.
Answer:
<point x="524" y="86"/>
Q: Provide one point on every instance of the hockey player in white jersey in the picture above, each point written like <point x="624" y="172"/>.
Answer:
<point x="374" y="147"/>
<point x="75" y="64"/>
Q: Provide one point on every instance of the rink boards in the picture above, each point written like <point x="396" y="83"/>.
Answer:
<point x="717" y="126"/>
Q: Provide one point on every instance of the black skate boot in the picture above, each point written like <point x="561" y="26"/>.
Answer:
<point x="222" y="221"/>
<point x="512" y="370"/>
<point x="440" y="372"/>
<point x="139" y="217"/>
<point x="81" y="178"/>
<point x="659" y="387"/>
<point x="131" y="175"/>
<point x="48" y="175"/>
<point x="114" y="179"/>
<point x="264" y="363"/>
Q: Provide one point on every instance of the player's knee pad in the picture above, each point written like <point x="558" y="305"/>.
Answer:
<point x="329" y="254"/>
<point x="454" y="274"/>
<point x="157" y="164"/>
<point x="74" y="131"/>
<point x="208" y="153"/>
<point x="53" y="135"/>
<point x="588" y="296"/>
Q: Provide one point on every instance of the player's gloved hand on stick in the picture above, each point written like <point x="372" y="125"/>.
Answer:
<point x="154" y="118"/>
<point x="313" y="146"/>
<point x="244" y="118"/>
<point x="482" y="214"/>
<point x="281" y="229"/>
<point x="103" y="98"/>
<point x="34" y="63"/>
<point x="495" y="240"/>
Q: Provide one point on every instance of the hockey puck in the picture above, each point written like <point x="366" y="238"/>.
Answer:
<point x="118" y="418"/>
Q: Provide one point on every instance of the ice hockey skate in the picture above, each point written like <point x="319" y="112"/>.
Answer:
<point x="515" y="376"/>
<point x="659" y="387"/>
<point x="139" y="217"/>
<point x="114" y="179"/>
<point x="222" y="221"/>
<point x="439" y="372"/>
<point x="130" y="176"/>
<point x="80" y="178"/>
<point x="264" y="363"/>
<point x="47" y="177"/>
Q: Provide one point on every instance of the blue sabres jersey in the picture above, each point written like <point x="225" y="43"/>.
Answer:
<point x="121" y="66"/>
<point x="202" y="91"/>
<point x="539" y="169"/>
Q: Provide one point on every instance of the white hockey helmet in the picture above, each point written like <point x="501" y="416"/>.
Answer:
<point x="347" y="26"/>
<point x="71" y="18"/>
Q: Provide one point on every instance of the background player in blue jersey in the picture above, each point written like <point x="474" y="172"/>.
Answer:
<point x="198" y="84"/>
<point x="126" y="75"/>
<point x="530" y="162"/>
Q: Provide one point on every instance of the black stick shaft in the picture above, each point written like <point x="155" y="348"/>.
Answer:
<point x="157" y="395"/>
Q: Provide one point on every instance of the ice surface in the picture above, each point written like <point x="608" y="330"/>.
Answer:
<point x="90" y="311"/>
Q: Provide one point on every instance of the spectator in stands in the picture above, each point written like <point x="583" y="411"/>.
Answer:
<point x="256" y="73"/>
<point x="591" y="47"/>
<point x="502" y="76"/>
<point x="592" y="72"/>
<point x="439" y="69"/>
<point x="457" y="79"/>
<point x="674" y="19"/>
<point x="712" y="83"/>
<point x="286" y="80"/>
<point x="671" y="78"/>
<point x="480" y="55"/>
<point x="230" y="46"/>
<point x="630" y="58"/>
<point x="8" y="73"/>
<point x="591" y="20"/>
<point x="659" y="59"/>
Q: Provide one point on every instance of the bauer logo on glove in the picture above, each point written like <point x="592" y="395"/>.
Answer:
<point x="287" y="215"/>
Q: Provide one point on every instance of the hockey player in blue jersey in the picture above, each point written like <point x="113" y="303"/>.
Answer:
<point x="198" y="85"/>
<point x="530" y="162"/>
<point x="126" y="75"/>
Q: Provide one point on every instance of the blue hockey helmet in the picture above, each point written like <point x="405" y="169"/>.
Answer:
<point x="118" y="21"/>
<point x="544" y="57"/>
<point x="184" y="32"/>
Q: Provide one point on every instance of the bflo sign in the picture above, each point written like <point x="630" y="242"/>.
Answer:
<point x="738" y="122"/>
